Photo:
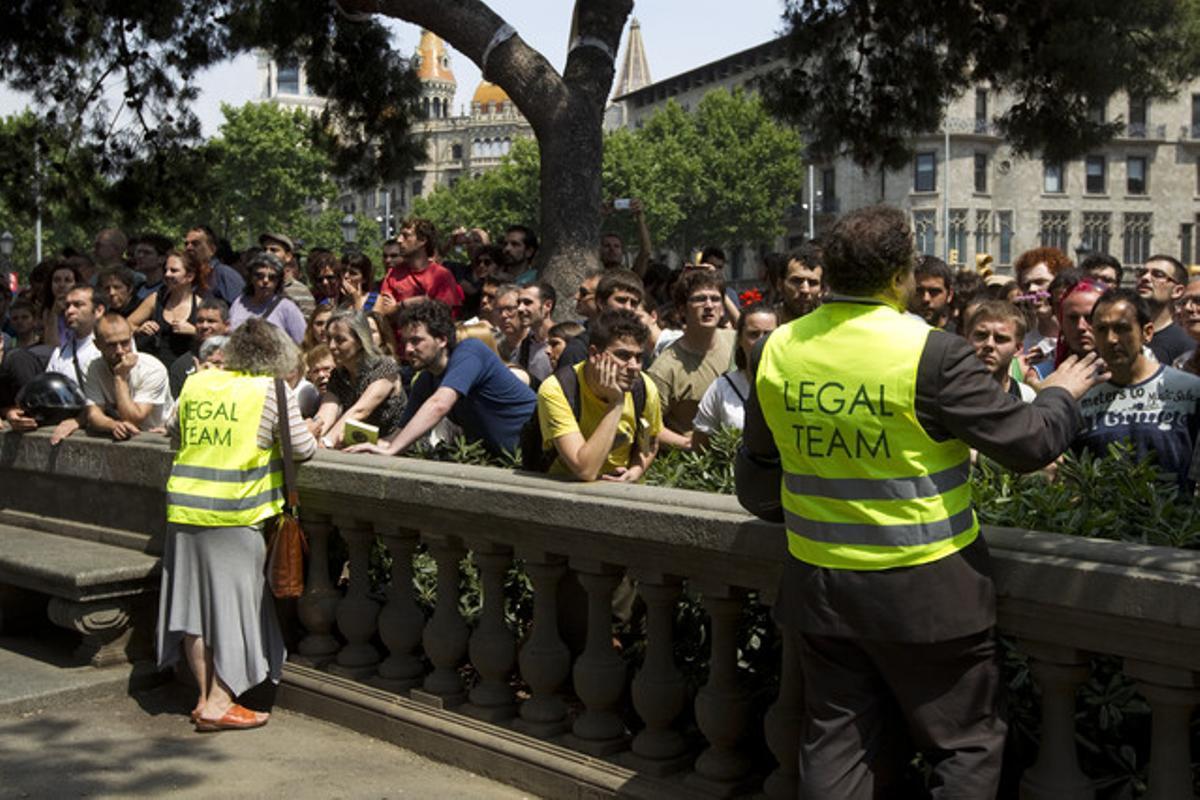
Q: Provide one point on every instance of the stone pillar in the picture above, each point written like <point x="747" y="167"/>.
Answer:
<point x="783" y="723"/>
<point x="115" y="631"/>
<point x="1056" y="775"/>
<point x="659" y="692"/>
<point x="544" y="659"/>
<point x="401" y="621"/>
<point x="1172" y="694"/>
<point x="317" y="607"/>
<point x="493" y="648"/>
<point x="446" y="633"/>
<point x="358" y="613"/>
<point x="599" y="672"/>
<point x="723" y="705"/>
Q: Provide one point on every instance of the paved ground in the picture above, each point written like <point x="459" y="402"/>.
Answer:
<point x="68" y="733"/>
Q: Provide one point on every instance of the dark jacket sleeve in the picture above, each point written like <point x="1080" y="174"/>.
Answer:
<point x="757" y="469"/>
<point x="958" y="398"/>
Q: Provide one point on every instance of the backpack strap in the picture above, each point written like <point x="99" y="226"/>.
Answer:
<point x="733" y="386"/>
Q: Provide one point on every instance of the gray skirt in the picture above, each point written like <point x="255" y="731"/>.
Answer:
<point x="213" y="587"/>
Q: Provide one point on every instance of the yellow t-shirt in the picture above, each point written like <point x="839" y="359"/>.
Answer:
<point x="556" y="419"/>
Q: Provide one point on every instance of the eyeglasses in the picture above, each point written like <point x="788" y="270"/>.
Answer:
<point x="1156" y="274"/>
<point x="326" y="278"/>
<point x="583" y="293"/>
<point x="1190" y="301"/>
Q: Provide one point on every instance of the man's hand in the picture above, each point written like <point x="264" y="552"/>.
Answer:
<point x="125" y="366"/>
<point x="1078" y="375"/>
<point x="124" y="430"/>
<point x="624" y="475"/>
<point x="603" y="378"/>
<point x="635" y="207"/>
<point x="18" y="421"/>
<point x="64" y="429"/>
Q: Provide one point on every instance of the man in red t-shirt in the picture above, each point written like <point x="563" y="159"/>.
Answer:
<point x="412" y="274"/>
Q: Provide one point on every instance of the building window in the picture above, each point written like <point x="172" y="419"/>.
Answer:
<point x="456" y="151"/>
<point x="981" y="111"/>
<point x="1097" y="111"/>
<point x="829" y="204"/>
<point x="925" y="228"/>
<point x="1135" y="175"/>
<point x="1097" y="231"/>
<point x="1054" y="178"/>
<point x="1004" y="225"/>
<point x="981" y="173"/>
<point x="1055" y="230"/>
<point x="287" y="78"/>
<point x="1138" y="229"/>
<point x="983" y="231"/>
<point x="958" y="235"/>
<point x="1095" y="168"/>
<point x="1185" y="243"/>
<point x="1195" y="116"/>
<point x="925" y="173"/>
<point x="418" y="186"/>
<point x="1137" y="117"/>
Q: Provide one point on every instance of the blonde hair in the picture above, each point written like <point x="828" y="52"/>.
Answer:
<point x="477" y="330"/>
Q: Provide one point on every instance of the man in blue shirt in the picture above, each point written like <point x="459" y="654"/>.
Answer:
<point x="464" y="381"/>
<point x="224" y="283"/>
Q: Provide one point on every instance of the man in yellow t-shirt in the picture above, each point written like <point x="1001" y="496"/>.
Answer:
<point x="610" y="440"/>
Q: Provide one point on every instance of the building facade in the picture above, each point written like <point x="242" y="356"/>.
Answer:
<point x="463" y="144"/>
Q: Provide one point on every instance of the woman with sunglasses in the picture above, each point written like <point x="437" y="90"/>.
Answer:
<point x="263" y="297"/>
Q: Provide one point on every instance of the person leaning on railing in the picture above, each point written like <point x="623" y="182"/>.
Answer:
<point x="226" y="482"/>
<point x="857" y="437"/>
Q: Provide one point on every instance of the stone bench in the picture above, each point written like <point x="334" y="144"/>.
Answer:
<point x="105" y="591"/>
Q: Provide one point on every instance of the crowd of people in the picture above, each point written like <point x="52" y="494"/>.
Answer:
<point x="459" y="336"/>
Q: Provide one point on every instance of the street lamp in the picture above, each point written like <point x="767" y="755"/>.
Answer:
<point x="349" y="230"/>
<point x="6" y="251"/>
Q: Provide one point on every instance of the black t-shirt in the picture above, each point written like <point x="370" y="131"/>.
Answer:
<point x="20" y="366"/>
<point x="1170" y="343"/>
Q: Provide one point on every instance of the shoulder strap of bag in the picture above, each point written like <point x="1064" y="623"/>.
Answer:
<point x="285" y="442"/>
<point x="732" y="385"/>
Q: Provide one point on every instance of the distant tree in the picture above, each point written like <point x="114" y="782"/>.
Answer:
<point x="493" y="200"/>
<point x="865" y="76"/>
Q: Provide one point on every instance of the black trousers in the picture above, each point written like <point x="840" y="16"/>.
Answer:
<point x="870" y="704"/>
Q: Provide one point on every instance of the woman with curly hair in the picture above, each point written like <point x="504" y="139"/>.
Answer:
<point x="226" y="482"/>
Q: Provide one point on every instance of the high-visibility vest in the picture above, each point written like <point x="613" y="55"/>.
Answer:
<point x="221" y="477"/>
<point x="864" y="486"/>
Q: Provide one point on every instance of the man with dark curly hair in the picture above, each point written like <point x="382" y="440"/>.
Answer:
<point x="464" y="381"/>
<point x="858" y="434"/>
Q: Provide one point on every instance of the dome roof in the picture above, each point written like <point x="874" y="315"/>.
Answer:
<point x="488" y="92"/>
<point x="433" y="63"/>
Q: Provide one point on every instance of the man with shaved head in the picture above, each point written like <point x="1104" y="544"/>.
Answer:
<point x="127" y="392"/>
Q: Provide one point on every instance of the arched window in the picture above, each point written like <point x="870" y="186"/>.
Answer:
<point x="425" y="107"/>
<point x="437" y="107"/>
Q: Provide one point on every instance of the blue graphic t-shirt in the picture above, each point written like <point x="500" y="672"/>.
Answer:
<point x="1160" y="416"/>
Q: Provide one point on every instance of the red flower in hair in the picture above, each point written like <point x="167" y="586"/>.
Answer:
<point x="750" y="297"/>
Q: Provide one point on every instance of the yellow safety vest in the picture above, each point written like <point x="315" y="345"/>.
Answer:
<point x="864" y="486"/>
<point x="221" y="478"/>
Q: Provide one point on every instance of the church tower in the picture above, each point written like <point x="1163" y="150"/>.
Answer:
<point x="635" y="69"/>
<point x="437" y="81"/>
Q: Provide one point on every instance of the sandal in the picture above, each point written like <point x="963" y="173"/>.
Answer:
<point x="237" y="718"/>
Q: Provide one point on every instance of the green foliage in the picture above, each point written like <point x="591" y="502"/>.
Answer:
<point x="710" y="470"/>
<point x="495" y="199"/>
<point x="689" y="170"/>
<point x="865" y="76"/>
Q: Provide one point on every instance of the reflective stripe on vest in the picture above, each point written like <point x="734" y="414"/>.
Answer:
<point x="221" y="478"/>
<point x="864" y="486"/>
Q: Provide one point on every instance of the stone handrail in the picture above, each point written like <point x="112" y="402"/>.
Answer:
<point x="1062" y="599"/>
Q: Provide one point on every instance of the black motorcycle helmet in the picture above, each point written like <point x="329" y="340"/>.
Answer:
<point x="51" y="398"/>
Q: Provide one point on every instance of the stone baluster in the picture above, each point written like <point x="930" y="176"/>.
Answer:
<point x="544" y="659"/>
<point x="1172" y="694"/>
<point x="401" y="622"/>
<point x="723" y="705"/>
<point x="358" y="613"/>
<point x="783" y="722"/>
<point x="1055" y="775"/>
<point x="317" y="607"/>
<point x="659" y="691"/>
<point x="446" y="633"/>
<point x="599" y="671"/>
<point x="492" y="648"/>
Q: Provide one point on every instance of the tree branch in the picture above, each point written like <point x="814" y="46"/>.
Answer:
<point x="590" y="67"/>
<point x="468" y="26"/>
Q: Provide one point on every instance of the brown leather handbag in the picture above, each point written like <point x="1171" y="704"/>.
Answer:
<point x="286" y="547"/>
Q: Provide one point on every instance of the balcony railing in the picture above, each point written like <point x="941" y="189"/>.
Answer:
<point x="1061" y="598"/>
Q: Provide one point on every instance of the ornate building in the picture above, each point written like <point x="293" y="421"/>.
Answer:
<point x="463" y="144"/>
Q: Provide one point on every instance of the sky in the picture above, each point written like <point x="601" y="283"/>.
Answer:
<point x="677" y="35"/>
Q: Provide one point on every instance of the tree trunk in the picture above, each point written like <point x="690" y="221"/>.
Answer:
<point x="566" y="112"/>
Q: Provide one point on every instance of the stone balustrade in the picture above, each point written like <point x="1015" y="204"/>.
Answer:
<point x="1062" y="600"/>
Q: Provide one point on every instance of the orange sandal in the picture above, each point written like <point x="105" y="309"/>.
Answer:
<point x="237" y="718"/>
